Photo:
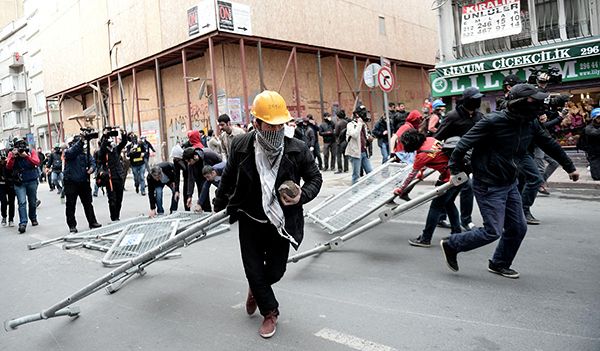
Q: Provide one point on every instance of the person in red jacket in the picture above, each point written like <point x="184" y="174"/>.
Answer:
<point x="24" y="163"/>
<point x="430" y="155"/>
<point x="194" y="139"/>
<point x="413" y="120"/>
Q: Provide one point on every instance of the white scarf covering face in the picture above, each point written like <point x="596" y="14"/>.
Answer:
<point x="268" y="174"/>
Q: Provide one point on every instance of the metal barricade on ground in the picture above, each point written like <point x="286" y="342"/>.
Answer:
<point x="373" y="191"/>
<point x="193" y="233"/>
<point x="384" y="216"/>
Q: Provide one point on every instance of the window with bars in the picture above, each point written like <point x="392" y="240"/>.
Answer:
<point x="577" y="18"/>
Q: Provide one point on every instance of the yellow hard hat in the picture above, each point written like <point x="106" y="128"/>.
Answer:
<point x="270" y="108"/>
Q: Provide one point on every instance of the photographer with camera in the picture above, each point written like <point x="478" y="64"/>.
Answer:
<point x="7" y="192"/>
<point x="111" y="174"/>
<point x="55" y="165"/>
<point x="79" y="165"/>
<point x="136" y="152"/>
<point x="357" y="137"/>
<point x="24" y="165"/>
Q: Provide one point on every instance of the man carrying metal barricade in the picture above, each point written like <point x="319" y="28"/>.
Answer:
<point x="260" y="188"/>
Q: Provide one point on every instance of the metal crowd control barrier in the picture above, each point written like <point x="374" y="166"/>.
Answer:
<point x="190" y="235"/>
<point x="340" y="212"/>
<point x="384" y="216"/>
<point x="103" y="231"/>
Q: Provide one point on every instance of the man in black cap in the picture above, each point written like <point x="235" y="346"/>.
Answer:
<point x="509" y="81"/>
<point x="499" y="142"/>
<point x="457" y="123"/>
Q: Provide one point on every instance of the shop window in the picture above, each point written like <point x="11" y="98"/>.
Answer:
<point x="546" y="12"/>
<point x="577" y="18"/>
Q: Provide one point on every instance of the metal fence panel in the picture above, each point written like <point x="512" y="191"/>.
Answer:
<point x="363" y="198"/>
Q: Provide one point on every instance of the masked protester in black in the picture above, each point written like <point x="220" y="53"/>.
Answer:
<point x="499" y="142"/>
<point x="79" y="164"/>
<point x="7" y="192"/>
<point x="112" y="168"/>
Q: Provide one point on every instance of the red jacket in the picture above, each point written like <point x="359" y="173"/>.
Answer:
<point x="194" y="139"/>
<point x="413" y="120"/>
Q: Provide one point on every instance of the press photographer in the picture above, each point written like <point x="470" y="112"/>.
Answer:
<point x="111" y="174"/>
<point x="24" y="163"/>
<point x="79" y="164"/>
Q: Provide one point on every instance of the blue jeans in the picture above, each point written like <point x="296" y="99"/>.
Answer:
<point x="356" y="165"/>
<point x="503" y="218"/>
<point x="158" y="191"/>
<point x="57" y="179"/>
<point x="385" y="150"/>
<point x="27" y="195"/>
<point x="466" y="203"/>
<point x="440" y="205"/>
<point x="138" y="176"/>
<point x="531" y="181"/>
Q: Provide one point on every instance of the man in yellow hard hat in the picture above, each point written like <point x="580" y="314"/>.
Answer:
<point x="260" y="188"/>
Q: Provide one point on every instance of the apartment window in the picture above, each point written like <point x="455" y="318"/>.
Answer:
<point x="40" y="102"/>
<point x="6" y="85"/>
<point x="381" y="25"/>
<point x="577" y="18"/>
<point x="546" y="12"/>
<point x="11" y="119"/>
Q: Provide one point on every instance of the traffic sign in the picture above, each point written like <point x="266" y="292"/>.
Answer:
<point x="370" y="74"/>
<point x="385" y="79"/>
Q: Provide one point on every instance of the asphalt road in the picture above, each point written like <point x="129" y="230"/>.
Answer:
<point x="375" y="293"/>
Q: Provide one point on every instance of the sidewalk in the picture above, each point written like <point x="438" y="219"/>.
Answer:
<point x="560" y="179"/>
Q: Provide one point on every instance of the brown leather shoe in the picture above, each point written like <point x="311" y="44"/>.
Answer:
<point x="269" y="325"/>
<point x="250" y="303"/>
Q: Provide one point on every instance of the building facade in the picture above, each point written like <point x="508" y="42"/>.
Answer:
<point x="160" y="68"/>
<point x="481" y="42"/>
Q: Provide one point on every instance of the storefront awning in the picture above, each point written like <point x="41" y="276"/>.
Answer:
<point x="575" y="60"/>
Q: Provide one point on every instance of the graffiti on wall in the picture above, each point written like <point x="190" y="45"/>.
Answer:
<point x="177" y="126"/>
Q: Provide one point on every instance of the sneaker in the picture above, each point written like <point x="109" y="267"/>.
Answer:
<point x="250" y="303"/>
<point x="38" y="202"/>
<point x="419" y="242"/>
<point x="95" y="225"/>
<point x="543" y="190"/>
<point x="95" y="194"/>
<point x="34" y="223"/>
<point x="72" y="230"/>
<point x="444" y="224"/>
<point x="468" y="226"/>
<point x="4" y="221"/>
<point x="22" y="228"/>
<point x="449" y="255"/>
<point x="11" y="223"/>
<point x="531" y="220"/>
<point x="137" y="189"/>
<point x="505" y="272"/>
<point x="269" y="325"/>
<point x="143" y="193"/>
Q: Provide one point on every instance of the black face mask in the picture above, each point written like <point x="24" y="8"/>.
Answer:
<point x="528" y="110"/>
<point x="472" y="104"/>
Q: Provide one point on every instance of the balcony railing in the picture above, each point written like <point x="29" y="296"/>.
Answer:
<point x="541" y="23"/>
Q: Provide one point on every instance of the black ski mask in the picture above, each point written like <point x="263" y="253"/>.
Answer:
<point x="472" y="104"/>
<point x="528" y="110"/>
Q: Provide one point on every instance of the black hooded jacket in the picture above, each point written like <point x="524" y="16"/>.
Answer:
<point x="240" y="189"/>
<point x="500" y="141"/>
<point x="457" y="123"/>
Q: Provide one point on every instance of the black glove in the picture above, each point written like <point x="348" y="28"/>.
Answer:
<point x="219" y="204"/>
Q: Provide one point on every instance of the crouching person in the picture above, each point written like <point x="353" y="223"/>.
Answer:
<point x="259" y="163"/>
<point x="160" y="175"/>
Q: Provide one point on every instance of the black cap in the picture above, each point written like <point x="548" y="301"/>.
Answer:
<point x="512" y="80"/>
<point x="526" y="90"/>
<point x="188" y="153"/>
<point x="472" y="93"/>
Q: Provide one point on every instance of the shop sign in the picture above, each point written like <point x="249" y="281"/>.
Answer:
<point x="573" y="70"/>
<point x="234" y="17"/>
<point x="201" y="18"/>
<point x="511" y="61"/>
<point x="490" y="19"/>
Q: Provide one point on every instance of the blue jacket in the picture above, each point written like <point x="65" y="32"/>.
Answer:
<point x="76" y="163"/>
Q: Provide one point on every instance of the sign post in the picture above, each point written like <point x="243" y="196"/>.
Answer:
<point x="386" y="81"/>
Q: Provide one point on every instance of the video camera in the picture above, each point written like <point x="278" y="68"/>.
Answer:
<point x="21" y="145"/>
<point x="112" y="131"/>
<point x="551" y="75"/>
<point x="88" y="133"/>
